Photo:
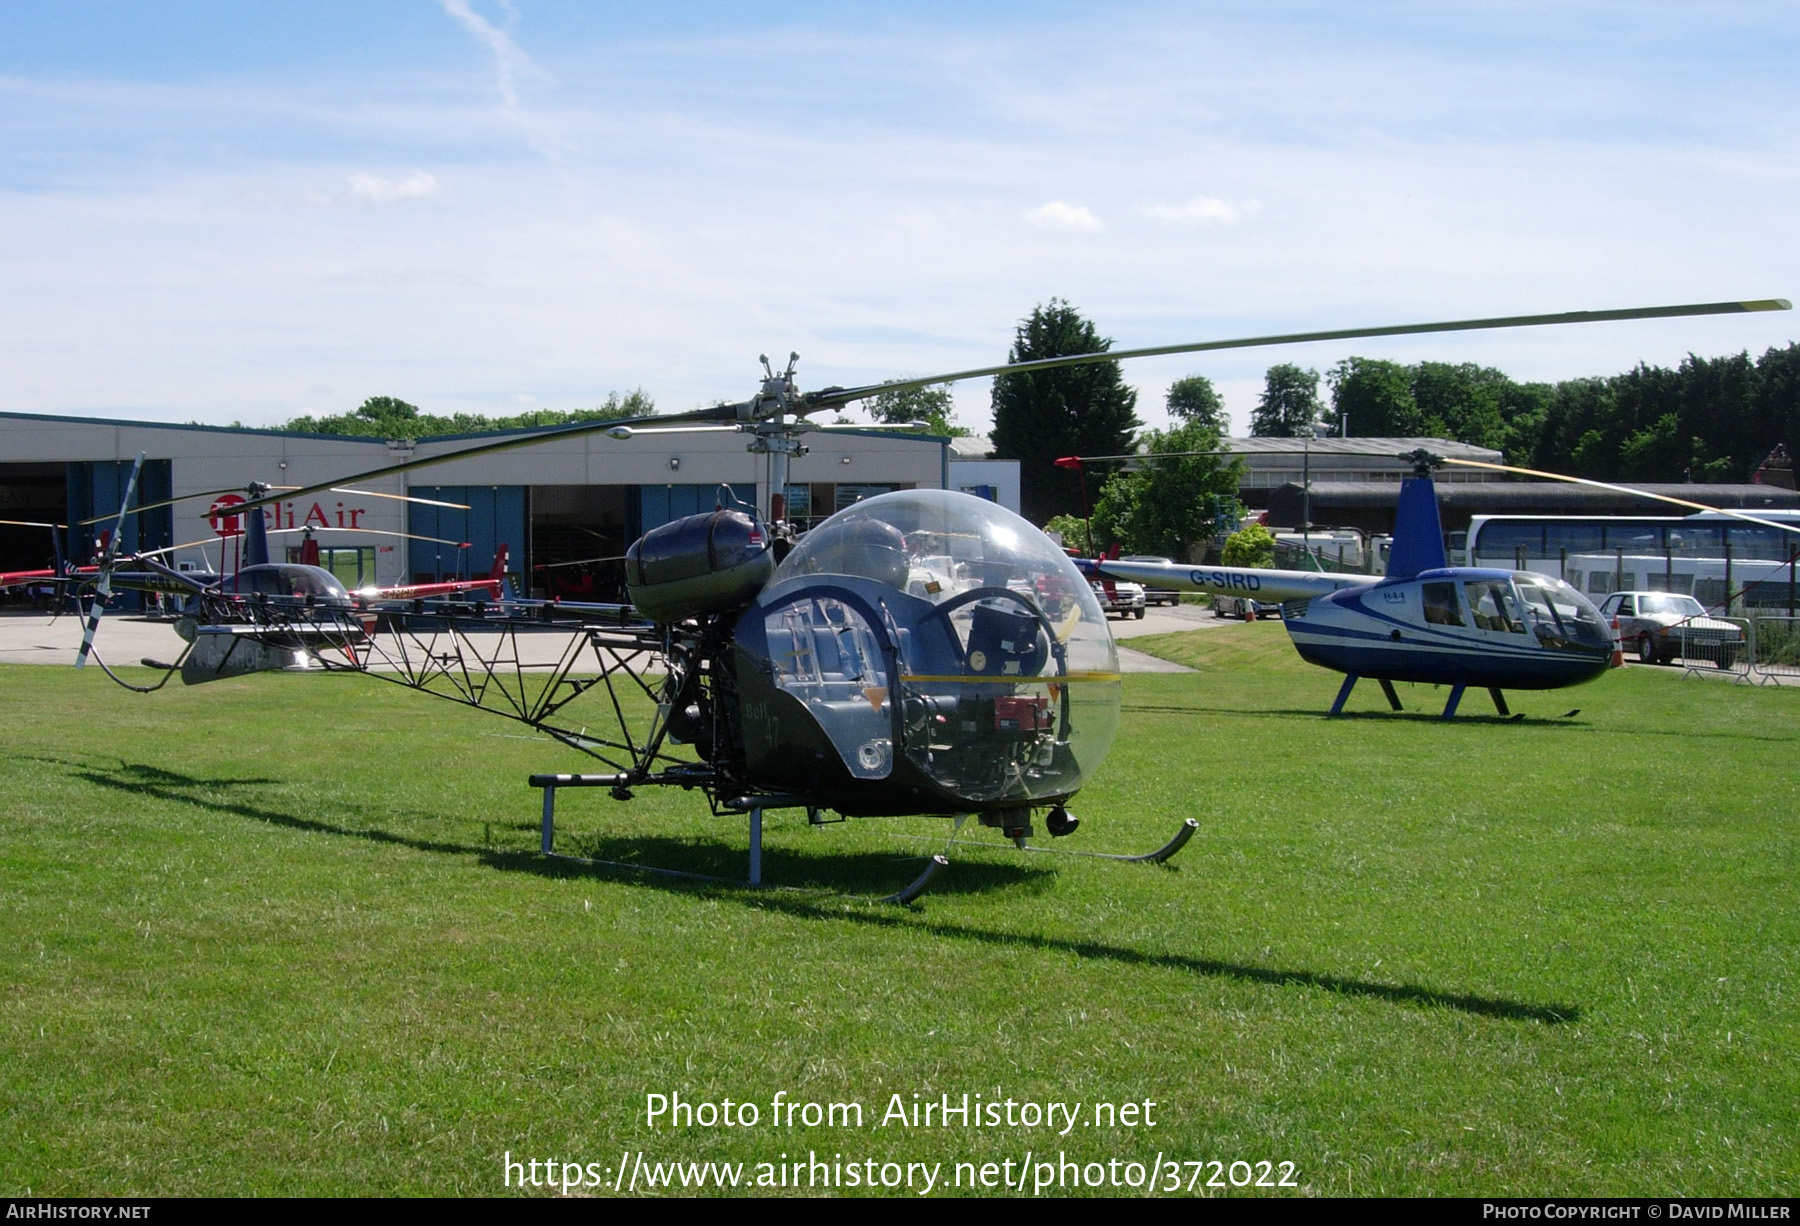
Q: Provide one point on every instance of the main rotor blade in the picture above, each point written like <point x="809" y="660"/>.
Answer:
<point x="577" y="562"/>
<point x="430" y="502"/>
<point x="718" y="412"/>
<point x="151" y="553"/>
<point x="623" y="432"/>
<point x="832" y="396"/>
<point x="169" y="502"/>
<point x="1171" y="455"/>
<point x="284" y="490"/>
<point x="436" y="540"/>
<point x="1624" y="489"/>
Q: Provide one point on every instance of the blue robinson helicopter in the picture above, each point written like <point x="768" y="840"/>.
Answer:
<point x="1425" y="621"/>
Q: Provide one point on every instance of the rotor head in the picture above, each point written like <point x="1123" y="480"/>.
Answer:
<point x="1423" y="461"/>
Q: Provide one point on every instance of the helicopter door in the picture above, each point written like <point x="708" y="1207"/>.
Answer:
<point x="827" y="655"/>
<point x="1441" y="606"/>
<point x="1493" y="608"/>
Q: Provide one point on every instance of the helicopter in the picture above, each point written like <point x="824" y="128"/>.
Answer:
<point x="919" y="652"/>
<point x="227" y="643"/>
<point x="1426" y="621"/>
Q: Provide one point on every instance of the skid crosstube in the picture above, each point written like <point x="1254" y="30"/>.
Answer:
<point x="753" y="806"/>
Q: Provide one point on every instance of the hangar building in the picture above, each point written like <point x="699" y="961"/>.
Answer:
<point x="556" y="505"/>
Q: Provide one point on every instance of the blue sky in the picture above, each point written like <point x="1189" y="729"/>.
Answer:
<point x="223" y="212"/>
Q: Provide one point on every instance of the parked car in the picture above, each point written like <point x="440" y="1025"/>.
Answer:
<point x="1657" y="625"/>
<point x="1156" y="595"/>
<point x="1240" y="606"/>
<point x="1126" y="599"/>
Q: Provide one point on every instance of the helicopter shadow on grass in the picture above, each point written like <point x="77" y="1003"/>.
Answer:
<point x="844" y="873"/>
<point x="1517" y="719"/>
<point x="146" y="776"/>
<point x="826" y="903"/>
<point x="1635" y="730"/>
<point x="815" y="905"/>
<point x="833" y="876"/>
<point x="156" y="783"/>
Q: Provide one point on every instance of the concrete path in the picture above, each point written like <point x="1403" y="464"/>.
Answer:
<point x="36" y="638"/>
<point x="1164" y="619"/>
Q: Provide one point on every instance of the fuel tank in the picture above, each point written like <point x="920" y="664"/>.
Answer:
<point x="700" y="564"/>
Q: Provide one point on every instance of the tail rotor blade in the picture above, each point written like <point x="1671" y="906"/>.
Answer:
<point x="103" y="590"/>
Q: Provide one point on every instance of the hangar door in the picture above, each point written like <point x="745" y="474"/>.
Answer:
<point x="96" y="488"/>
<point x="35" y="493"/>
<point x="497" y="515"/>
<point x="659" y="504"/>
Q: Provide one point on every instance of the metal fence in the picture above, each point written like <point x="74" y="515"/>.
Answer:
<point x="1769" y="653"/>
<point x="1339" y="557"/>
<point x="1707" y="648"/>
<point x="1775" y="649"/>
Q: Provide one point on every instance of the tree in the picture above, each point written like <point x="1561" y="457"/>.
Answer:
<point x="1461" y="402"/>
<point x="931" y="405"/>
<point x="1195" y="399"/>
<point x="1168" y="504"/>
<point x="1253" y="546"/>
<point x="1373" y="398"/>
<point x="1290" y="403"/>
<point x="1040" y="416"/>
<point x="1074" y="532"/>
<point x="390" y="417"/>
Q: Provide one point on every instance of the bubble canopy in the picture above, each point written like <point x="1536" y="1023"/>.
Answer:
<point x="944" y="645"/>
<point x="938" y="545"/>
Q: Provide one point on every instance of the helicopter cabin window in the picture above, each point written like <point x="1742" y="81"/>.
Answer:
<point x="309" y="581"/>
<point x="1441" y="608"/>
<point x="1492" y="607"/>
<point x="826" y="654"/>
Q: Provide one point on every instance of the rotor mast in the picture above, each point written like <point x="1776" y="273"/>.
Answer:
<point x="775" y="435"/>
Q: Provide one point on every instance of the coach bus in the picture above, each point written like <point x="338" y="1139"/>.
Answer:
<point x="1708" y="556"/>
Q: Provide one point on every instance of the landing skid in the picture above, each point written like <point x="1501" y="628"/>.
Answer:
<point x="1160" y="856"/>
<point x="753" y="806"/>
<point x="1387" y="688"/>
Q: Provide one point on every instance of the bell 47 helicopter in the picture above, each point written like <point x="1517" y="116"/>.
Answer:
<point x="920" y="652"/>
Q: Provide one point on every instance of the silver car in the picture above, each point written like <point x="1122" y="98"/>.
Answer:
<point x="1660" y="625"/>
<point x="1126" y="599"/>
<point x="1155" y="595"/>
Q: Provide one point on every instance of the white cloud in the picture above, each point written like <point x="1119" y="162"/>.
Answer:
<point x="1060" y="216"/>
<point x="642" y="253"/>
<point x="1205" y="210"/>
<point x="380" y="190"/>
<point x="510" y="60"/>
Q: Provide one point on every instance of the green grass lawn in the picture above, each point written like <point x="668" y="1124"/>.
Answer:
<point x="288" y="934"/>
